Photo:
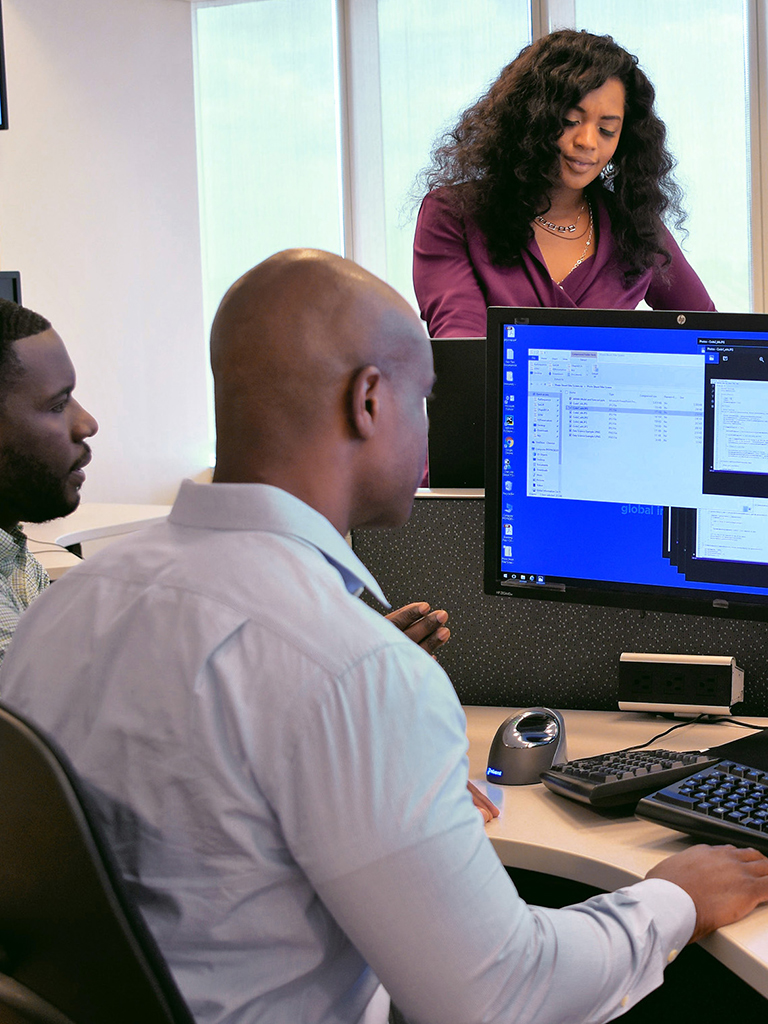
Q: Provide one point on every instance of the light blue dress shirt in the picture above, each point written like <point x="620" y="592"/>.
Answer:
<point x="283" y="776"/>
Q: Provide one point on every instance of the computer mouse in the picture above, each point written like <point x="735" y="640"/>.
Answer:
<point x="525" y="745"/>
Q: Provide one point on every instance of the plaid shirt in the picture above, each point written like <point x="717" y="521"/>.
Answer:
<point x="21" y="580"/>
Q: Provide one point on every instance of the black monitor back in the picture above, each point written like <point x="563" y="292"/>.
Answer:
<point x="457" y="413"/>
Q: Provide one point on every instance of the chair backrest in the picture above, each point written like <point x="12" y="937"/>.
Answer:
<point x="73" y="948"/>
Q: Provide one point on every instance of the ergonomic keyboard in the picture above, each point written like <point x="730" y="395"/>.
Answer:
<point x="624" y="776"/>
<point x="724" y="803"/>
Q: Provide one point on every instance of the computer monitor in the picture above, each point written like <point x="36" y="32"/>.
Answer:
<point x="627" y="459"/>
<point x="10" y="285"/>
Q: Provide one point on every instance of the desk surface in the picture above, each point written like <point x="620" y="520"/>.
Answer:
<point x="90" y="521"/>
<point x="543" y="832"/>
<point x="93" y="520"/>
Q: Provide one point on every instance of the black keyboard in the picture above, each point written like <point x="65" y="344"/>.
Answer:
<point x="725" y="803"/>
<point x="622" y="777"/>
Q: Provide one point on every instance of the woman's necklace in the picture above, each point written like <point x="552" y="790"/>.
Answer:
<point x="559" y="229"/>
<point x="583" y="256"/>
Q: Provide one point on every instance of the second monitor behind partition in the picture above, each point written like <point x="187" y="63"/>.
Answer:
<point x="10" y="286"/>
<point x="457" y="413"/>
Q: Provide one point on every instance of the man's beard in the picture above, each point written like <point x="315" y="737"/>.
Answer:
<point x="31" y="490"/>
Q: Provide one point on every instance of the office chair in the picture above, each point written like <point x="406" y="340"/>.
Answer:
<point x="73" y="948"/>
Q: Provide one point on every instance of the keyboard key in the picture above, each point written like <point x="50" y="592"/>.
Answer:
<point x="676" y="799"/>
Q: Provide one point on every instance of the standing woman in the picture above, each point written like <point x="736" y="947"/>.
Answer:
<point x="550" y="191"/>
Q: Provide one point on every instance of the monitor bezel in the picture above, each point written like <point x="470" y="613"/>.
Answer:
<point x="725" y="605"/>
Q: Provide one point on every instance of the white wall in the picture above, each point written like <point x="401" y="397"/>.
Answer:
<point x="98" y="210"/>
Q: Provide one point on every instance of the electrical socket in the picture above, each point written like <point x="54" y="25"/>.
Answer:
<point x="679" y="683"/>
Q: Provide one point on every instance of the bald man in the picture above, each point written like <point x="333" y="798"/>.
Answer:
<point x="281" y="771"/>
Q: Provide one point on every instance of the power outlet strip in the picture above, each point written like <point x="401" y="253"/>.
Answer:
<point x="683" y="684"/>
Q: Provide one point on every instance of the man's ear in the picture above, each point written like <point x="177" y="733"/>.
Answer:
<point x="365" y="401"/>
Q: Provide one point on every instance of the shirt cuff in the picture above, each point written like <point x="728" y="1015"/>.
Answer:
<point x="672" y="909"/>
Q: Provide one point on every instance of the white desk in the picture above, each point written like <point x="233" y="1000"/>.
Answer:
<point x="540" y="831"/>
<point x="89" y="522"/>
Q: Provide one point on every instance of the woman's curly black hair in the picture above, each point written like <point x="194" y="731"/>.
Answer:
<point x="504" y="157"/>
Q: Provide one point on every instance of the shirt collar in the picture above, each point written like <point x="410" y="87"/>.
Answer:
<point x="263" y="507"/>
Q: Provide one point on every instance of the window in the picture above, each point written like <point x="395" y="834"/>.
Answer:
<point x="435" y="58"/>
<point x="694" y="52"/>
<point x="268" y="153"/>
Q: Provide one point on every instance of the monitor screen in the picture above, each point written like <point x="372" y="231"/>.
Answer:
<point x="627" y="458"/>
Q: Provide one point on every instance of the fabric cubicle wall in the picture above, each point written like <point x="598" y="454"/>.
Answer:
<point x="521" y="653"/>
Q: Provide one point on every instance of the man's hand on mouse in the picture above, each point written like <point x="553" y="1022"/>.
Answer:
<point x="725" y="883"/>
<point x="426" y="628"/>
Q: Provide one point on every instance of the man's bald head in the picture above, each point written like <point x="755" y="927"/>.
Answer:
<point x="289" y="341"/>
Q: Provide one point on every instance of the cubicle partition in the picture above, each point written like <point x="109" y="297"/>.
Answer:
<point x="520" y="652"/>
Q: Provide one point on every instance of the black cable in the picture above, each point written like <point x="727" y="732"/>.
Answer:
<point x="743" y="725"/>
<point x="659" y="735"/>
<point x="49" y="545"/>
<point x="695" y="721"/>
